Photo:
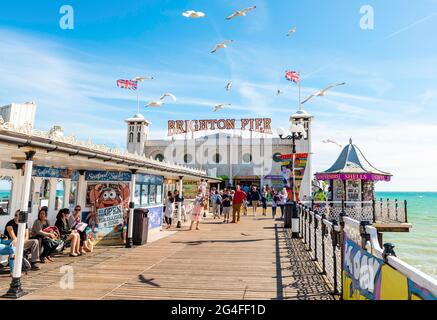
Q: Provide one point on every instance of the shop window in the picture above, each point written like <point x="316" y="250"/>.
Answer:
<point x="72" y="195"/>
<point x="44" y="192"/>
<point x="59" y="198"/>
<point x="5" y="195"/>
<point x="144" y="194"/>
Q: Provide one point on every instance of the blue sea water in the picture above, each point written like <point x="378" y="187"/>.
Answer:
<point x="419" y="246"/>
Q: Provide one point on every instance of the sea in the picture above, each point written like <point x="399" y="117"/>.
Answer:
<point x="417" y="247"/>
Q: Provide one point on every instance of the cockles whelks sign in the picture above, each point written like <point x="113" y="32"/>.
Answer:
<point x="261" y="125"/>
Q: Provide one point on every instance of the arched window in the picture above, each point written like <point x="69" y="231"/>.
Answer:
<point x="131" y="137"/>
<point x="188" y="158"/>
<point x="159" y="157"/>
<point x="247" y="158"/>
<point x="217" y="158"/>
<point x="138" y="137"/>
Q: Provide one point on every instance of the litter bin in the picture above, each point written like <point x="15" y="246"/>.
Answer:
<point x="288" y="212"/>
<point x="140" y="227"/>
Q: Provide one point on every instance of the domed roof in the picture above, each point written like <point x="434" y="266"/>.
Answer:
<point x="137" y="118"/>
<point x="352" y="160"/>
<point x="301" y="114"/>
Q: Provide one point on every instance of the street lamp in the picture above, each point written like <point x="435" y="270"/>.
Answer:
<point x="297" y="132"/>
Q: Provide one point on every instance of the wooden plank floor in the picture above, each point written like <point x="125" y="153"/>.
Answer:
<point x="249" y="260"/>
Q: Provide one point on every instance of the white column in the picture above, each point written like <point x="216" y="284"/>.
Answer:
<point x="81" y="190"/>
<point x="131" y="210"/>
<point x="17" y="190"/>
<point x="15" y="289"/>
<point x="67" y="187"/>
<point x="52" y="199"/>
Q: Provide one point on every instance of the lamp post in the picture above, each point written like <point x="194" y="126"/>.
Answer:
<point x="297" y="132"/>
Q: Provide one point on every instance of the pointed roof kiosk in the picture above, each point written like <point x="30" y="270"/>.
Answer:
<point x="352" y="181"/>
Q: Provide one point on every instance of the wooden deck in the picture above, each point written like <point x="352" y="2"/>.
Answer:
<point x="249" y="260"/>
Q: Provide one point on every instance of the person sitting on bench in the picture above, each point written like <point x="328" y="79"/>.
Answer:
<point x="67" y="234"/>
<point x="11" y="231"/>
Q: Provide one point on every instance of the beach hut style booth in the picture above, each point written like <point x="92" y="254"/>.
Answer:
<point x="351" y="181"/>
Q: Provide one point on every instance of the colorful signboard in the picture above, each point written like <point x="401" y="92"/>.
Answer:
<point x="155" y="217"/>
<point x="97" y="175"/>
<point x="262" y="125"/>
<point x="47" y="172"/>
<point x="366" y="277"/>
<point x="352" y="176"/>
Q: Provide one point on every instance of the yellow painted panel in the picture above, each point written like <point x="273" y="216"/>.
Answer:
<point x="394" y="285"/>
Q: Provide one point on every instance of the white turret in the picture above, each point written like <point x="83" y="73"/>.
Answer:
<point x="137" y="131"/>
<point x="304" y="146"/>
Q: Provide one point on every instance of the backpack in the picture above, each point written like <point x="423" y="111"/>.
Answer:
<point x="218" y="200"/>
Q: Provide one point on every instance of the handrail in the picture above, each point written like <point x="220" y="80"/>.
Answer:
<point x="419" y="277"/>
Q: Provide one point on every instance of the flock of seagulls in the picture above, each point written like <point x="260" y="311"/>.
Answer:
<point x="192" y="14"/>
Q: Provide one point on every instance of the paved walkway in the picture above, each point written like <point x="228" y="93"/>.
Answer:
<point x="250" y="260"/>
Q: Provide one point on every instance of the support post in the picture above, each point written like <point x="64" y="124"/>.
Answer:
<point x="15" y="291"/>
<point x="130" y="226"/>
<point x="323" y="244"/>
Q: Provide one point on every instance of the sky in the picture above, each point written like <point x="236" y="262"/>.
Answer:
<point x="387" y="105"/>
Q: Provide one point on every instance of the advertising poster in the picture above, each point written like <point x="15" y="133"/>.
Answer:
<point x="107" y="222"/>
<point x="300" y="162"/>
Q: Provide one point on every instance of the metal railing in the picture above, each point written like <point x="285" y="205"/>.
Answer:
<point x="375" y="211"/>
<point x="322" y="239"/>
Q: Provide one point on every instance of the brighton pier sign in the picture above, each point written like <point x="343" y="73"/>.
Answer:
<point x="261" y="125"/>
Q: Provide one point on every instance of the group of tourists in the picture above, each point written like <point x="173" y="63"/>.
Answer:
<point x="43" y="240"/>
<point x="227" y="204"/>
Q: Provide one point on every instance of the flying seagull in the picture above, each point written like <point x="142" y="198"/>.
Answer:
<point x="332" y="141"/>
<point x="240" y="13"/>
<point x="193" y="14"/>
<point x="221" y="45"/>
<point x="220" y="106"/>
<point x="291" y="31"/>
<point x="142" y="79"/>
<point x="228" y="86"/>
<point x="322" y="92"/>
<point x="161" y="101"/>
<point x="279" y="92"/>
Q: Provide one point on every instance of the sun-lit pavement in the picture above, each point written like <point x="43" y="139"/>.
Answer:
<point x="249" y="260"/>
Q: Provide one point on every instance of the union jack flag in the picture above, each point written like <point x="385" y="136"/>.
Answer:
<point x="127" y="84"/>
<point x="293" y="76"/>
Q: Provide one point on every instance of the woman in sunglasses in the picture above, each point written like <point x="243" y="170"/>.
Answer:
<point x="75" y="222"/>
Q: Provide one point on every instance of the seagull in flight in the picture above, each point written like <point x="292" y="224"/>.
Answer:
<point x="279" y="92"/>
<point x="220" y="106"/>
<point x="322" y="92"/>
<point x="240" y="13"/>
<point x="193" y="14"/>
<point x="142" y="79"/>
<point x="221" y="45"/>
<point x="161" y="101"/>
<point x="228" y="86"/>
<point x="332" y="141"/>
<point x="291" y="31"/>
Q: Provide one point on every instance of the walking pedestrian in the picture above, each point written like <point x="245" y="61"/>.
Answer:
<point x="283" y="196"/>
<point x="199" y="205"/>
<point x="216" y="203"/>
<point x="264" y="201"/>
<point x="238" y="200"/>
<point x="255" y="198"/>
<point x="169" y="209"/>
<point x="275" y="202"/>
<point x="226" y="204"/>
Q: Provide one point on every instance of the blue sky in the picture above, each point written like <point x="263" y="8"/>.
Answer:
<point x="387" y="106"/>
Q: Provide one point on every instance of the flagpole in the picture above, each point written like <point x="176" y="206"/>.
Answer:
<point x="300" y="99"/>
<point x="138" y="100"/>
